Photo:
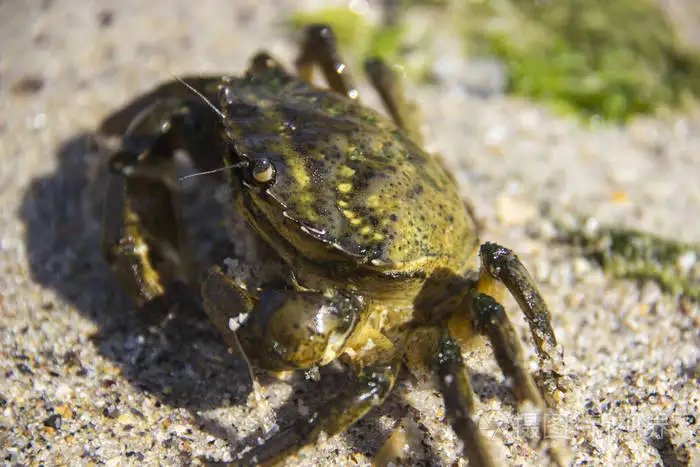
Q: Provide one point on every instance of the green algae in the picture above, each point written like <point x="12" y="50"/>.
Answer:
<point x="595" y="58"/>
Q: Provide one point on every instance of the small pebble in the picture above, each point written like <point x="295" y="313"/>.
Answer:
<point x="126" y="419"/>
<point x="64" y="411"/>
<point x="686" y="261"/>
<point x="24" y="369"/>
<point x="53" y="421"/>
<point x="514" y="210"/>
<point x="28" y="85"/>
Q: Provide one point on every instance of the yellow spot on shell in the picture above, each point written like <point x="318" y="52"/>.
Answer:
<point x="373" y="201"/>
<point x="365" y="230"/>
<point x="343" y="204"/>
<point x="346" y="171"/>
<point x="348" y="213"/>
<point x="306" y="197"/>
<point x="345" y="187"/>
<point x="356" y="221"/>
<point x="299" y="172"/>
<point x="378" y="236"/>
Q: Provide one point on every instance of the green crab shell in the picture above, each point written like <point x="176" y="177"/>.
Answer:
<point x="348" y="186"/>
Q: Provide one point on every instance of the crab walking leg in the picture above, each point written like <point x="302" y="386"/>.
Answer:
<point x="457" y="392"/>
<point x="502" y="264"/>
<point x="143" y="236"/>
<point x="335" y="416"/>
<point x="119" y="123"/>
<point x="390" y="88"/>
<point x="319" y="47"/>
<point x="125" y="247"/>
<point x="141" y="232"/>
<point x="491" y="319"/>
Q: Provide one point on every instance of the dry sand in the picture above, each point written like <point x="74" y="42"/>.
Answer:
<point x="85" y="380"/>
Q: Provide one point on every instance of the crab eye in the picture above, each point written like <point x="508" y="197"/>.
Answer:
<point x="263" y="170"/>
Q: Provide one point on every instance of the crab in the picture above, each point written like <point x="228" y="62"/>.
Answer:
<point x="379" y="247"/>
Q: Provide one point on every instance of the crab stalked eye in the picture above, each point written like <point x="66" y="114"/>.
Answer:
<point x="263" y="170"/>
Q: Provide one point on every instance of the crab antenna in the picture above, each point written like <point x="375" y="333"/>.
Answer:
<point x="200" y="95"/>
<point x="237" y="165"/>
